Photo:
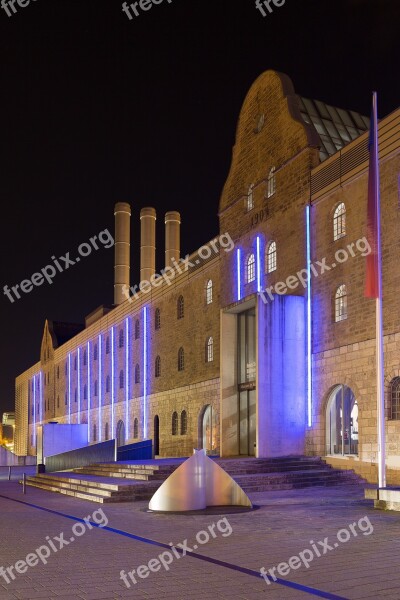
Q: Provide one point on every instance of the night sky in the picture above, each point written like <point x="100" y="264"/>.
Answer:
<point x="97" y="108"/>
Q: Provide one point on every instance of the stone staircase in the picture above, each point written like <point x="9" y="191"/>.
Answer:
<point x="127" y="482"/>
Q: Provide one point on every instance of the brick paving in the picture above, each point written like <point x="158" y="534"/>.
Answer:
<point x="283" y="526"/>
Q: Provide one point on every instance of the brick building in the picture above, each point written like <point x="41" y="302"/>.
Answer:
<point x="260" y="346"/>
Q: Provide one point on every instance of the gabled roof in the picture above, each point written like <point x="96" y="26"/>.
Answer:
<point x="335" y="127"/>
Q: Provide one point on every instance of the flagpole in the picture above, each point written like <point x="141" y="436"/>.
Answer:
<point x="379" y="316"/>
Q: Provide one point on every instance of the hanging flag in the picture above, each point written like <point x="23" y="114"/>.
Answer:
<point x="372" y="278"/>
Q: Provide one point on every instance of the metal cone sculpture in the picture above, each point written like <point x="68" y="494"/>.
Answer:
<point x="198" y="483"/>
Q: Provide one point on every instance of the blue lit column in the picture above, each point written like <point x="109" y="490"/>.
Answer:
<point x="127" y="378"/>
<point x="99" y="390"/>
<point x="69" y="388"/>
<point x="88" y="389"/>
<point x="309" y="320"/>
<point x="34" y="410"/>
<point x="145" y="344"/>
<point x="112" y="383"/>
<point x="79" y="385"/>
<point x="239" y="273"/>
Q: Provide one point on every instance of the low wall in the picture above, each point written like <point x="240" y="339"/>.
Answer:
<point x="8" y="459"/>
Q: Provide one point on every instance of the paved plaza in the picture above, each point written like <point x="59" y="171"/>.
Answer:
<point x="352" y="550"/>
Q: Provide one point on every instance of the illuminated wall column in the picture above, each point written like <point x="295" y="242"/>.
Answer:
<point x="69" y="388"/>
<point x="79" y="385"/>
<point x="112" y="382"/>
<point x="41" y="399"/>
<point x="260" y="270"/>
<point x="127" y="377"/>
<point x="88" y="389"/>
<point x="281" y="376"/>
<point x="309" y="319"/>
<point x="100" y="389"/>
<point x="145" y="361"/>
<point x="239" y="273"/>
<point x="34" y="410"/>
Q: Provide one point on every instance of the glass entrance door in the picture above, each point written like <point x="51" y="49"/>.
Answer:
<point x="247" y="382"/>
<point x="247" y="423"/>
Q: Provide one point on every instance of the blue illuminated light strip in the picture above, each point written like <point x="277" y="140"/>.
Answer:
<point x="69" y="388"/>
<point x="145" y="372"/>
<point x="258" y="264"/>
<point x="99" y="390"/>
<point x="79" y="385"/>
<point x="127" y="378"/>
<point x="41" y="396"/>
<point x="34" y="410"/>
<point x="238" y="272"/>
<point x="309" y="321"/>
<point x="112" y="383"/>
<point x="88" y="390"/>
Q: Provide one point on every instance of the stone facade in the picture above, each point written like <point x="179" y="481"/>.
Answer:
<point x="276" y="180"/>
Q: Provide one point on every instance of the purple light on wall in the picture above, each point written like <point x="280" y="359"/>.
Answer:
<point x="238" y="273"/>
<point x="88" y="389"/>
<point x="127" y="378"/>
<point x="79" y="385"/>
<point x="34" y="410"/>
<point x="309" y="319"/>
<point x="100" y="387"/>
<point x="145" y="372"/>
<point x="41" y="396"/>
<point x="112" y="382"/>
<point x="69" y="388"/>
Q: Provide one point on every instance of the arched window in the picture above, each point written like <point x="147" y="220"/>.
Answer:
<point x="85" y="392"/>
<point x="209" y="292"/>
<point x="209" y="349"/>
<point x="341" y="304"/>
<point x="180" y="308"/>
<point x="339" y="222"/>
<point x="271" y="258"/>
<point x="95" y="433"/>
<point x="121" y="379"/>
<point x="85" y="358"/>
<point x="107" y="383"/>
<point x="157" y="368"/>
<point x="66" y="399"/>
<point x="106" y="432"/>
<point x="395" y="398"/>
<point x="58" y="401"/>
<point x="181" y="359"/>
<point x="137" y="329"/>
<point x="135" y="428"/>
<point x="271" y="183"/>
<point x="121" y="338"/>
<point x="95" y="352"/>
<point x="76" y="395"/>
<point x="342" y="421"/>
<point x="250" y="268"/>
<point x="108" y="344"/>
<point x="96" y="388"/>
<point x="75" y="363"/>
<point x="58" y="372"/>
<point x="250" y="198"/>
<point x="183" y="422"/>
<point x="157" y="319"/>
<point x="175" y="423"/>
<point x="137" y="374"/>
